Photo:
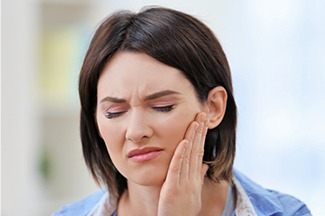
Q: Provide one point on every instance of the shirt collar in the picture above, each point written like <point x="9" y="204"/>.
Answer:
<point x="106" y="206"/>
<point x="254" y="199"/>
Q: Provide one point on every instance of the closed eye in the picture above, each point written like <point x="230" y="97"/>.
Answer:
<point x="163" y="108"/>
<point x="111" y="115"/>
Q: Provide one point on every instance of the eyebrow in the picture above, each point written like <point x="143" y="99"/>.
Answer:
<point x="148" y="97"/>
<point x="160" y="94"/>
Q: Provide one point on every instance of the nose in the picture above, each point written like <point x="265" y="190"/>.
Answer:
<point x="138" y="130"/>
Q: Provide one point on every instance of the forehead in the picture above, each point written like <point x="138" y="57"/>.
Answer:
<point x="127" y="72"/>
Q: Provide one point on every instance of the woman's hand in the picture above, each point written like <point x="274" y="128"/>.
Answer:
<point x="181" y="192"/>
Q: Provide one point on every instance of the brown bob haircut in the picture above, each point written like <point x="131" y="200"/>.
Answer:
<point x="175" y="39"/>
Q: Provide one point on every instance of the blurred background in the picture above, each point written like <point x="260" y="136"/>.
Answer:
<point x="276" y="50"/>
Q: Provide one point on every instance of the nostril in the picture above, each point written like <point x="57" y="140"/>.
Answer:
<point x="138" y="135"/>
<point x="135" y="134"/>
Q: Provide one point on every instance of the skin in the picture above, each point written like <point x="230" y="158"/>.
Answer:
<point x="143" y="103"/>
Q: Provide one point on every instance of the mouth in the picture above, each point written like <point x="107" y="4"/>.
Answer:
<point x="144" y="154"/>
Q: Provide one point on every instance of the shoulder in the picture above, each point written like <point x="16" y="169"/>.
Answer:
<point x="270" y="202"/>
<point x="81" y="207"/>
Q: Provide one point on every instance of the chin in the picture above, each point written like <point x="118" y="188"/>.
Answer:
<point x="153" y="178"/>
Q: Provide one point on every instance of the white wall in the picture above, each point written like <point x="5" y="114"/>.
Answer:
<point x="20" y="186"/>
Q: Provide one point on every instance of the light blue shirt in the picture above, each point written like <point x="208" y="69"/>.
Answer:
<point x="252" y="199"/>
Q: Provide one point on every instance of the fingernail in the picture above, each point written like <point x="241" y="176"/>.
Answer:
<point x="203" y="117"/>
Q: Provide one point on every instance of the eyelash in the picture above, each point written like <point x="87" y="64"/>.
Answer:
<point x="111" y="115"/>
<point x="164" y="108"/>
<point x="168" y="108"/>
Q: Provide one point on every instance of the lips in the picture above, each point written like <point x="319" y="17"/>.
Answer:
<point x="144" y="154"/>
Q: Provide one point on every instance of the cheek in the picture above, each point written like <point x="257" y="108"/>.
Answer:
<point x="111" y="134"/>
<point x="173" y="127"/>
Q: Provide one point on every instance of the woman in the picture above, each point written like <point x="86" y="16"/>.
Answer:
<point x="158" y="123"/>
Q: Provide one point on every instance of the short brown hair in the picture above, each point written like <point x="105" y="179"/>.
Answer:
<point x="175" y="39"/>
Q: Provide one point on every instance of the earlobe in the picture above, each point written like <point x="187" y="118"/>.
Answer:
<point x="216" y="106"/>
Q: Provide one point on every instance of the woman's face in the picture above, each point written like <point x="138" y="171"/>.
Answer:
<point x="143" y="110"/>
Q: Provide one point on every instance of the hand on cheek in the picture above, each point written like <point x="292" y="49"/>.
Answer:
<point x="181" y="192"/>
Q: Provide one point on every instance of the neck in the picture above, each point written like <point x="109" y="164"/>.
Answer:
<point x="140" y="200"/>
<point x="143" y="200"/>
<point x="214" y="196"/>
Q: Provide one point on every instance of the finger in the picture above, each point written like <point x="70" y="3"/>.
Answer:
<point x="177" y="164"/>
<point x="197" y="150"/>
<point x="189" y="135"/>
<point x="191" y="130"/>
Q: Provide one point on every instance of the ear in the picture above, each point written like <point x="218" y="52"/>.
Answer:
<point x="216" y="106"/>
